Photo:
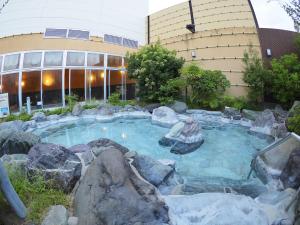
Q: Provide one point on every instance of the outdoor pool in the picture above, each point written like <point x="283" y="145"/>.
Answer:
<point x="227" y="150"/>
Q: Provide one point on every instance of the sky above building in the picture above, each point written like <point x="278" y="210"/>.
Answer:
<point x="269" y="12"/>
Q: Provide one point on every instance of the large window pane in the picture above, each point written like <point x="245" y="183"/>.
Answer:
<point x="95" y="59"/>
<point x="32" y="60"/>
<point x="52" y="88"/>
<point x="114" y="82"/>
<point x="10" y="85"/>
<point x="114" y="61"/>
<point x="58" y="33"/>
<point x="11" y="62"/>
<point x="78" y="84"/>
<point x="53" y="59"/>
<point x="95" y="80"/>
<point x="79" y="34"/>
<point x="75" y="59"/>
<point x="31" y="87"/>
<point x="129" y="87"/>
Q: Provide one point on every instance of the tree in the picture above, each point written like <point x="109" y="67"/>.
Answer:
<point x="286" y="78"/>
<point x="207" y="86"/>
<point x="293" y="10"/>
<point x="255" y="75"/>
<point x="152" y="67"/>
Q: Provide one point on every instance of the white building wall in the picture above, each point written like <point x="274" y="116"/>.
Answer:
<point x="124" y="18"/>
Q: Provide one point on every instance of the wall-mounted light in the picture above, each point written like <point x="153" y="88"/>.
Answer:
<point x="194" y="55"/>
<point x="23" y="83"/>
<point x="269" y="52"/>
<point x="102" y="75"/>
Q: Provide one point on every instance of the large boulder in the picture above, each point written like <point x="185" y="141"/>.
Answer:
<point x="111" y="193"/>
<point x="279" y="130"/>
<point x="184" y="137"/>
<point x="232" y="113"/>
<point x="150" y="107"/>
<point x="164" y="116"/>
<point x="39" y="117"/>
<point x="265" y="119"/>
<point x="16" y="125"/>
<point x="152" y="170"/>
<point x="103" y="144"/>
<point x="225" y="209"/>
<point x="57" y="215"/>
<point x="16" y="142"/>
<point x="55" y="163"/>
<point x="290" y="175"/>
<point x="105" y="110"/>
<point x="215" y="209"/>
<point x="179" y="107"/>
<point x="280" y="114"/>
<point x="292" y="110"/>
<point x="77" y="109"/>
<point x="80" y="148"/>
<point x="250" y="114"/>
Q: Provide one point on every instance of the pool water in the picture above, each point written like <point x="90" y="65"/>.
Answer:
<point x="227" y="150"/>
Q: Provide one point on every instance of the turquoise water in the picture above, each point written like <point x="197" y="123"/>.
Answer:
<point x="227" y="151"/>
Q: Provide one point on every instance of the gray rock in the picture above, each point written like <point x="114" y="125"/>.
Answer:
<point x="30" y="124"/>
<point x="16" y="125"/>
<point x="79" y="148"/>
<point x="53" y="117"/>
<point x="16" y="162"/>
<point x="280" y="114"/>
<point x="88" y="157"/>
<point x="39" y="117"/>
<point x="290" y="175"/>
<point x="55" y="163"/>
<point x="292" y="110"/>
<point x="4" y="134"/>
<point x="151" y="107"/>
<point x="112" y="194"/>
<point x="103" y="144"/>
<point x="265" y="119"/>
<point x="164" y="116"/>
<point x="179" y="107"/>
<point x="130" y="154"/>
<point x="57" y="215"/>
<point x="279" y="130"/>
<point x="73" y="221"/>
<point x="105" y="110"/>
<point x="89" y="112"/>
<point x="18" y="142"/>
<point x="152" y="170"/>
<point x="184" y="137"/>
<point x="232" y="113"/>
<point x="77" y="109"/>
<point x="250" y="114"/>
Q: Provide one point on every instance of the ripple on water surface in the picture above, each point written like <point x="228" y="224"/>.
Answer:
<point x="227" y="151"/>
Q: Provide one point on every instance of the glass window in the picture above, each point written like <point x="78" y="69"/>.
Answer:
<point x="75" y="59"/>
<point x="114" y="82"/>
<point x="32" y="60"/>
<point x="114" y="61"/>
<point x="11" y="62"/>
<point x="130" y="43"/>
<point x="53" y="59"/>
<point x="79" y="34"/>
<point x="58" y="33"/>
<point x="78" y="83"/>
<point x="95" y="59"/>
<point x="95" y="83"/>
<point x="113" y="39"/>
<point x="10" y="85"/>
<point x="52" y="88"/>
<point x="31" y="87"/>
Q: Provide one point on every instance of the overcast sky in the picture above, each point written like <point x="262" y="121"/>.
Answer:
<point x="269" y="14"/>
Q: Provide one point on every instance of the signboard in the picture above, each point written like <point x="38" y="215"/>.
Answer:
<point x="4" y="105"/>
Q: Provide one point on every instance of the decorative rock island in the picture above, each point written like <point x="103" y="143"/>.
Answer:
<point x="184" y="137"/>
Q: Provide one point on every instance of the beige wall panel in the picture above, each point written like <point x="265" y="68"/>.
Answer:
<point x="238" y="91"/>
<point x="235" y="78"/>
<point x="37" y="42"/>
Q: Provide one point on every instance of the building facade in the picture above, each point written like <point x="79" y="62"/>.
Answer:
<point x="52" y="49"/>
<point x="224" y="30"/>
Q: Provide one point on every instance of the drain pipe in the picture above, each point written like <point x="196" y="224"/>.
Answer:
<point x="191" y="27"/>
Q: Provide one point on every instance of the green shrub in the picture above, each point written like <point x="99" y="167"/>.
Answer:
<point x="71" y="101"/>
<point x="22" y="116"/>
<point x="37" y="195"/>
<point x="114" y="99"/>
<point x="58" y="111"/>
<point x="152" y="67"/>
<point x="294" y="122"/>
<point x="286" y="79"/>
<point x="255" y="75"/>
<point x="236" y="102"/>
<point x="171" y="90"/>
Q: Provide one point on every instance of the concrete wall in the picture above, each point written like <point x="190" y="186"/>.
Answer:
<point x="224" y="30"/>
<point x="37" y="42"/>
